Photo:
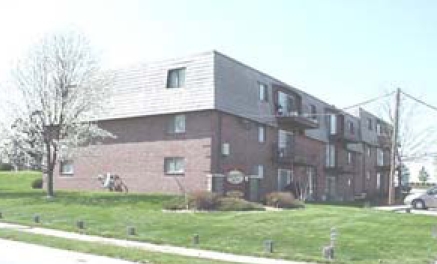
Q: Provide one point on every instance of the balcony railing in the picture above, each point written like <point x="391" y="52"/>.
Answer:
<point x="296" y="120"/>
<point x="293" y="155"/>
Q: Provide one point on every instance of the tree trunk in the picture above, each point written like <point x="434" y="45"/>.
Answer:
<point x="50" y="168"/>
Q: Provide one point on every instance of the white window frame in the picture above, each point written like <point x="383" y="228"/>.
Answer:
<point x="261" y="133"/>
<point x="330" y="155"/>
<point x="263" y="95"/>
<point x="379" y="157"/>
<point x="369" y="151"/>
<point x="172" y="161"/>
<point x="378" y="129"/>
<point x="66" y="164"/>
<point x="180" y="78"/>
<point x="332" y="124"/>
<point x="178" y="124"/>
<point x="378" y="180"/>
<point x="349" y="157"/>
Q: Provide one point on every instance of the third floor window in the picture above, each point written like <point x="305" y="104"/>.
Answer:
<point x="263" y="92"/>
<point x="176" y="78"/>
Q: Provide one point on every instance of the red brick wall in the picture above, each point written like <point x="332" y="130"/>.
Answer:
<point x="138" y="152"/>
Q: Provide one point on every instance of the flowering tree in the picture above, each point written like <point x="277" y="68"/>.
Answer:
<point x="61" y="90"/>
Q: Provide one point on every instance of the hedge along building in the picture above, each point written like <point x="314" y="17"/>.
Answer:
<point x="209" y="122"/>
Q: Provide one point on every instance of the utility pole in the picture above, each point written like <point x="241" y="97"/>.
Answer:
<point x="391" y="190"/>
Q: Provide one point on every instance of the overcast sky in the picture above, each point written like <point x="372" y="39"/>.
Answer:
<point x="341" y="51"/>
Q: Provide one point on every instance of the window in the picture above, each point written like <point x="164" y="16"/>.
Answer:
<point x="349" y="157"/>
<point x="379" y="157"/>
<point x="67" y="167"/>
<point x="261" y="133"/>
<point x="174" y="165"/>
<point x="284" y="179"/>
<point x="351" y="127"/>
<point x="332" y="124"/>
<point x="263" y="93"/>
<point x="313" y="112"/>
<point x="378" y="180"/>
<point x="369" y="151"/>
<point x="286" y="105"/>
<point x="176" y="78"/>
<point x="369" y="123"/>
<point x="330" y="155"/>
<point x="368" y="175"/>
<point x="177" y="124"/>
<point x="378" y="129"/>
<point x="226" y="149"/>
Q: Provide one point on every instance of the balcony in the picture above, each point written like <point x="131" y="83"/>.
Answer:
<point x="384" y="140"/>
<point x="383" y="167"/>
<point x="294" y="120"/>
<point x="344" y="137"/>
<point x="293" y="155"/>
<point x="283" y="155"/>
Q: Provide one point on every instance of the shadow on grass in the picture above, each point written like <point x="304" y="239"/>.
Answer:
<point x="91" y="198"/>
<point x="354" y="204"/>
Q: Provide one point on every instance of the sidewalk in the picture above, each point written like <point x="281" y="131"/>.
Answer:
<point x="188" y="252"/>
<point x="36" y="254"/>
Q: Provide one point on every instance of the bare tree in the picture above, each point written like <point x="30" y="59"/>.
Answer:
<point x="415" y="135"/>
<point x="61" y="89"/>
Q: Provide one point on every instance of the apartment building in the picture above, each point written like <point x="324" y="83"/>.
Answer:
<point x="209" y="122"/>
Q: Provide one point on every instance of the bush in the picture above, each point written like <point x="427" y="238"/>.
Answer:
<point x="6" y="167"/>
<point x="237" y="204"/>
<point x="37" y="184"/>
<point x="202" y="200"/>
<point x="283" y="200"/>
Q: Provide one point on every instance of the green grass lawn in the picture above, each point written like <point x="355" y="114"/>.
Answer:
<point x="365" y="235"/>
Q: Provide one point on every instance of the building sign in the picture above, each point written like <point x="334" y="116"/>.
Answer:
<point x="235" y="177"/>
<point x="235" y="194"/>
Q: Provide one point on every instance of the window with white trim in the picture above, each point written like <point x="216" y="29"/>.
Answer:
<point x="261" y="133"/>
<point x="177" y="124"/>
<point x="176" y="78"/>
<point x="330" y="155"/>
<point x="332" y="124"/>
<point x="67" y="168"/>
<point x="349" y="157"/>
<point x="263" y="92"/>
<point x="379" y="157"/>
<point x="378" y="180"/>
<point x="174" y="165"/>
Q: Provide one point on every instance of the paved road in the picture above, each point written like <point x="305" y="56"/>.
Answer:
<point x="13" y="252"/>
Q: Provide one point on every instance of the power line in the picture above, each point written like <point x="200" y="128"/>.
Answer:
<point x="369" y="101"/>
<point x="420" y="101"/>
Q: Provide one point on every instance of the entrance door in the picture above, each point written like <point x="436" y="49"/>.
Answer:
<point x="331" y="187"/>
<point x="254" y="189"/>
<point x="284" y="179"/>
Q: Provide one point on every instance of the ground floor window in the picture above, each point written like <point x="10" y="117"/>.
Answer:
<point x="174" y="165"/>
<point x="67" y="168"/>
<point x="378" y="181"/>
<point x="284" y="179"/>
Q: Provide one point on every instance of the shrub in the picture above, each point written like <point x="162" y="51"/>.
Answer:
<point x="202" y="200"/>
<point x="282" y="200"/>
<point x="37" y="184"/>
<point x="175" y="204"/>
<point x="5" y="167"/>
<point x="236" y="204"/>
